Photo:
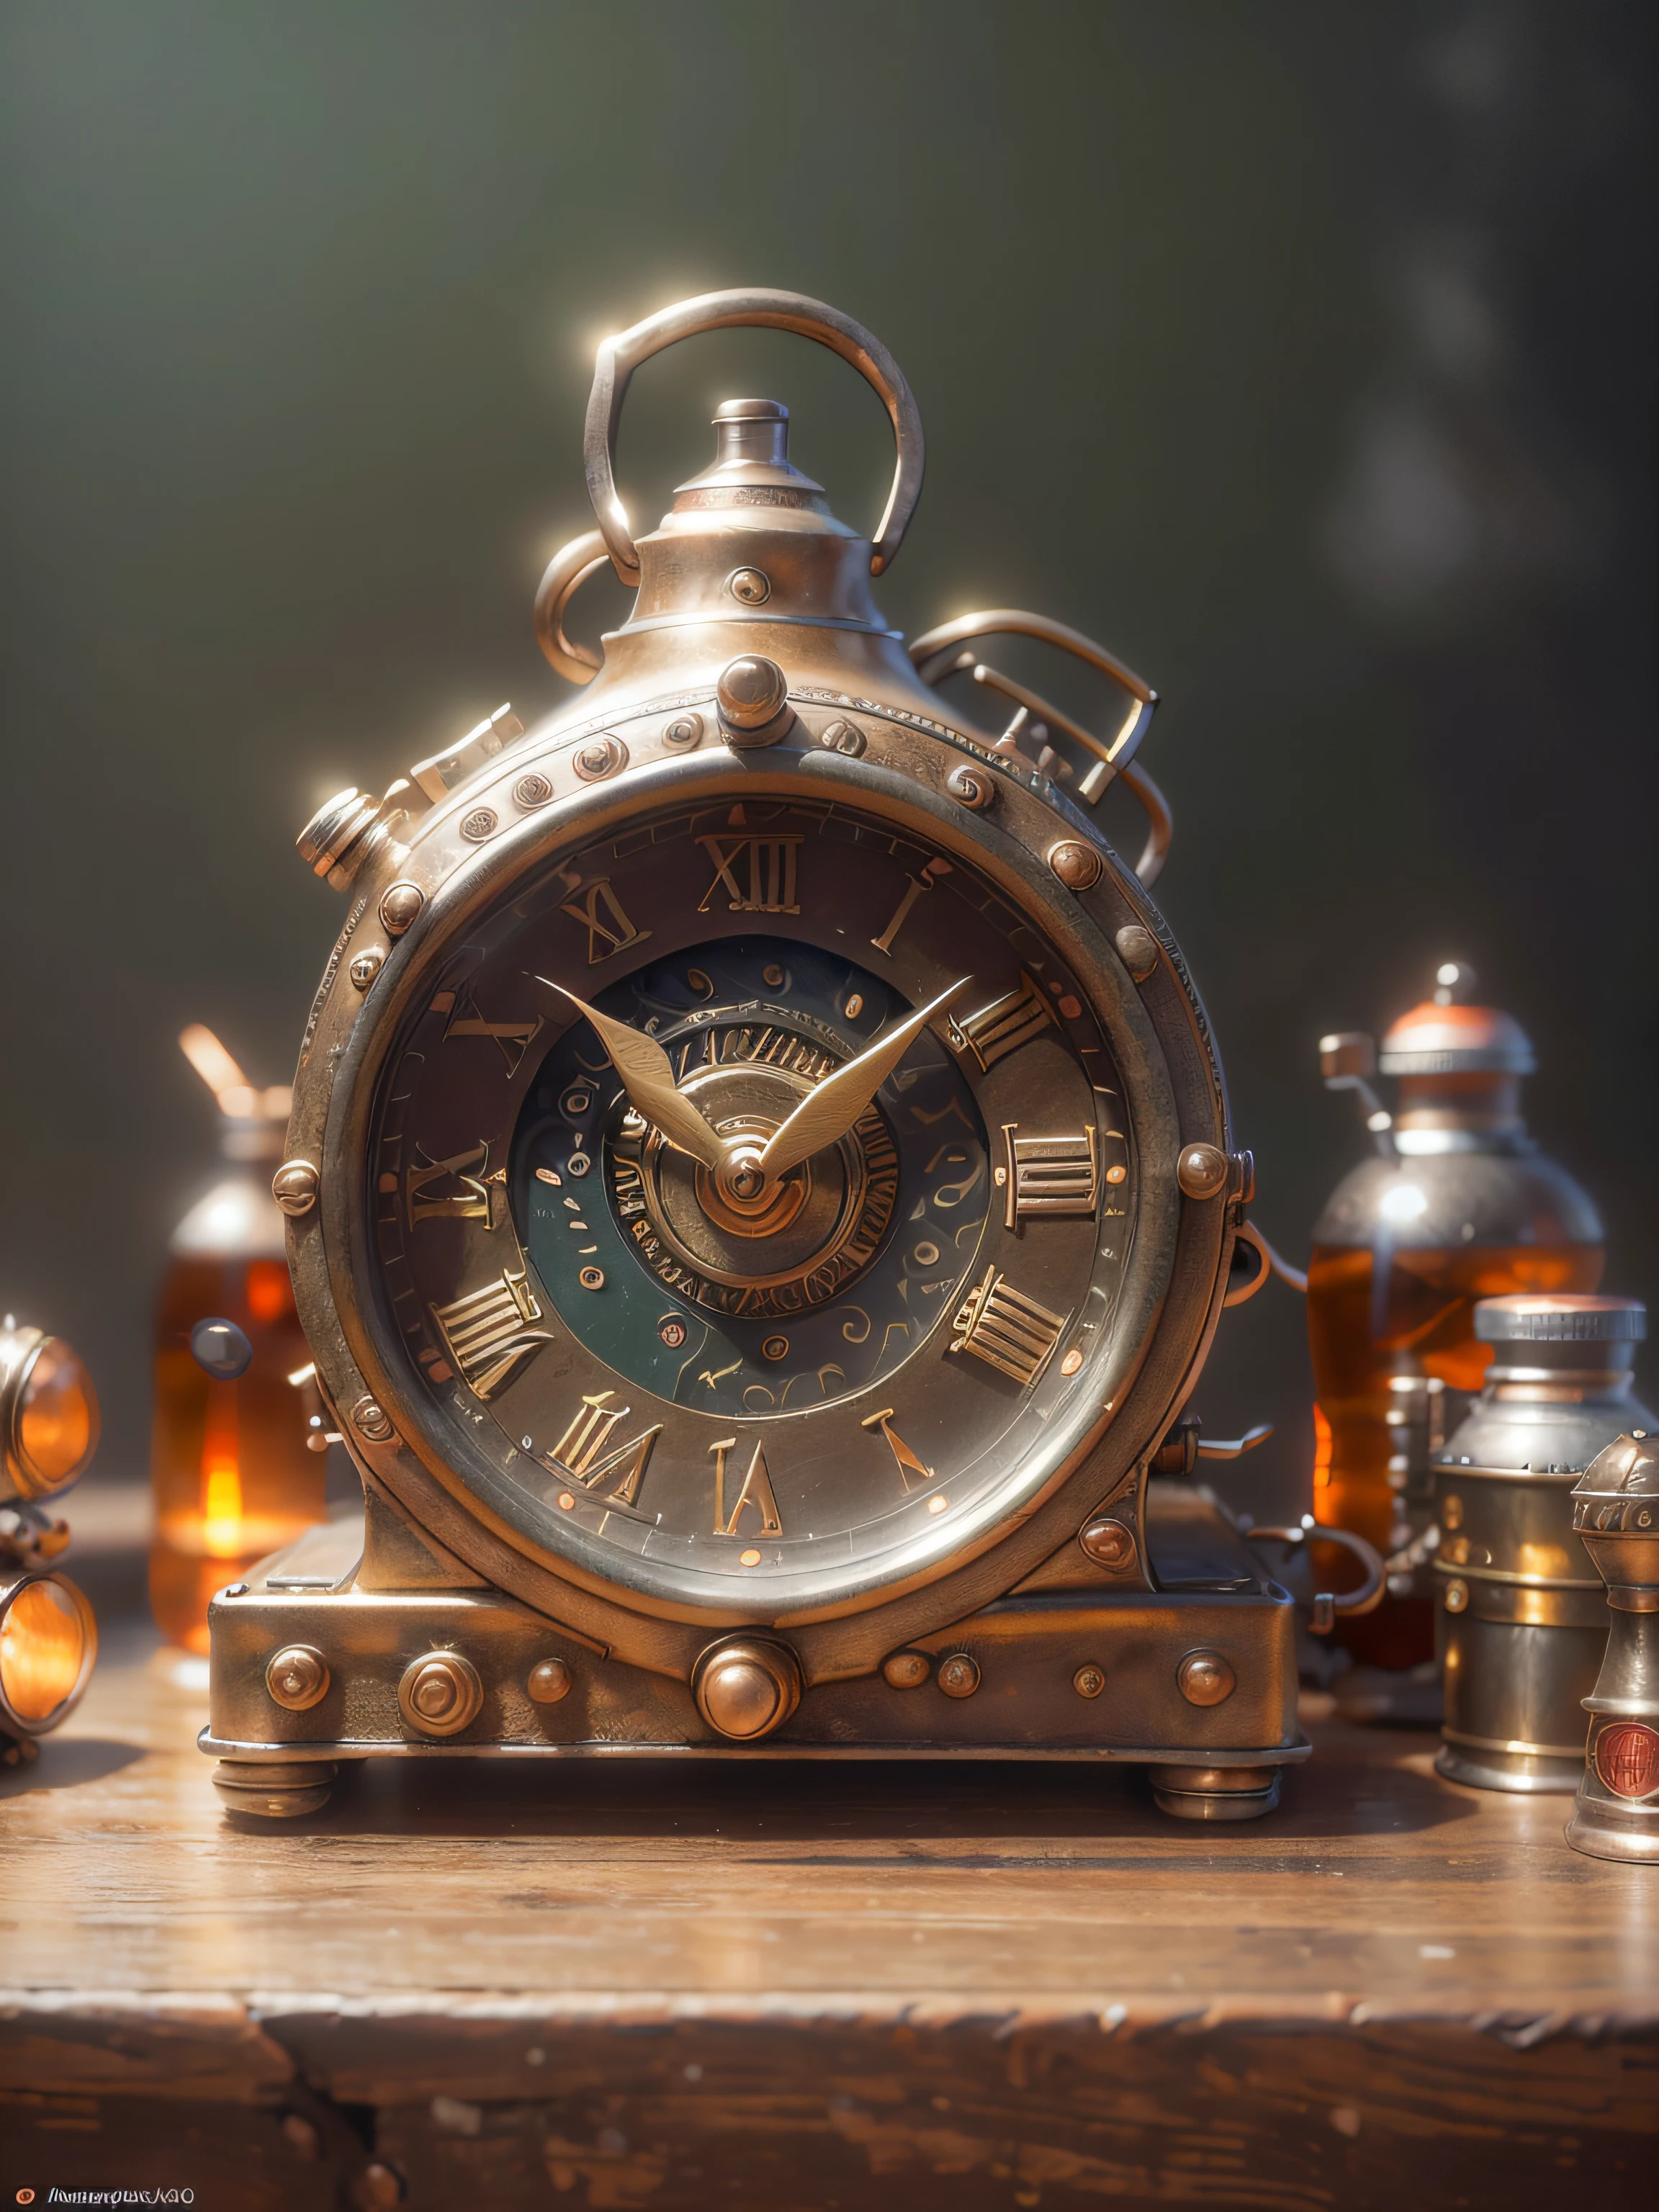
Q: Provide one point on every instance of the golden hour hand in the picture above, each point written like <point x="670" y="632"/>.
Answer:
<point x="648" y="1076"/>
<point x="831" y="1109"/>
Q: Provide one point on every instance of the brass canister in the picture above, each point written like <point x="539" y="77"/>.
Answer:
<point x="1616" y="1509"/>
<point x="1523" y="1620"/>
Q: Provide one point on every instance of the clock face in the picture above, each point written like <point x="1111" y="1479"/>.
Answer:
<point x="710" y="1374"/>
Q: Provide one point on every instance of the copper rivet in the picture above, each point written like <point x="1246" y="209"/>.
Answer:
<point x="1116" y="1174"/>
<point x="854" y="1005"/>
<point x="480" y="824"/>
<point x="938" y="1504"/>
<point x="297" y="1677"/>
<point x="1137" y="948"/>
<point x="548" y="1681"/>
<point x="682" y="733"/>
<point x="1109" y="1543"/>
<point x="1078" y="866"/>
<point x="1072" y="1361"/>
<point x="1202" y="1170"/>
<point x="1204" y="1678"/>
<point x="440" y="1693"/>
<point x="370" y="1421"/>
<point x="400" y="903"/>
<point x="958" y="1675"/>
<point x="566" y="1501"/>
<point x="1088" y="1681"/>
<point x="533" y="790"/>
<point x="752" y="587"/>
<point x="1457" y="1595"/>
<point x="974" y="787"/>
<point x="294" y="1186"/>
<point x="749" y="1559"/>
<point x="842" y="737"/>
<point x="591" y="1278"/>
<point x="366" y="966"/>
<point x="599" y="757"/>
<point x="906" y="1670"/>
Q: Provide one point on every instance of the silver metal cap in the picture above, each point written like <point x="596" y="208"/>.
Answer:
<point x="1567" y="1319"/>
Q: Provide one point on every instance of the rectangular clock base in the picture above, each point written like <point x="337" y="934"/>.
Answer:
<point x="309" y="1670"/>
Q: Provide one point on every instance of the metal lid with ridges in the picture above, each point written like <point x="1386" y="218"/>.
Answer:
<point x="1569" y="1319"/>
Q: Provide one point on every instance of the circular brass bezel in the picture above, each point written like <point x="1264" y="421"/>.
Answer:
<point x="1165" y="1310"/>
<point x="22" y="1477"/>
<point x="10" y="1590"/>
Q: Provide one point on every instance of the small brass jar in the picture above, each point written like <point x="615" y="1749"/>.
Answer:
<point x="1522" y="1613"/>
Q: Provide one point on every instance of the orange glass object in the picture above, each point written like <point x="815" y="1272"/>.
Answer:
<point x="47" y="1641"/>
<point x="1428" y="1329"/>
<point x="233" y="1479"/>
<point x="1457" y="1205"/>
<point x="57" y="1414"/>
<point x="233" y="1475"/>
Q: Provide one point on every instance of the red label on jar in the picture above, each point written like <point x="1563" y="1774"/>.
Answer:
<point x="1627" y="1758"/>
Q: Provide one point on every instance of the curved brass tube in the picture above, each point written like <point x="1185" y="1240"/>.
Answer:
<point x="939" y="653"/>
<point x="1160" y="823"/>
<point x="1365" y="1599"/>
<point x="1272" y="1264"/>
<point x="570" y="567"/>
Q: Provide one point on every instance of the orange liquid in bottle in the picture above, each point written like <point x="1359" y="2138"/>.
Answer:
<point x="1427" y="1327"/>
<point x="233" y="1476"/>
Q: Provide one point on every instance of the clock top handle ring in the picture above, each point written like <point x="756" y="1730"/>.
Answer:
<point x="758" y="309"/>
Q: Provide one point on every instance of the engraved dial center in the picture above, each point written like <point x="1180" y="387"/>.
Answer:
<point x="794" y="1239"/>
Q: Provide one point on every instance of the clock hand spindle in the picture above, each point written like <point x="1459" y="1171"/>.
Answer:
<point x="647" y="1077"/>
<point x="828" y="1111"/>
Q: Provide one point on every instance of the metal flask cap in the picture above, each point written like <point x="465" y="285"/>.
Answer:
<point x="1447" y="1035"/>
<point x="1571" y="1318"/>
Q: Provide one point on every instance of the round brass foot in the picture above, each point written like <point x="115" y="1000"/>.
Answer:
<point x="275" y="1792"/>
<point x="1215" y="1793"/>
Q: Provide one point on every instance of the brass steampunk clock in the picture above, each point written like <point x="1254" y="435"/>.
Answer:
<point x="761" y="1194"/>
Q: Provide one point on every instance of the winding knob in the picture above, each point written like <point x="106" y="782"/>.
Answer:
<point x="1202" y="1170"/>
<point x="752" y="696"/>
<point x="747" y="1687"/>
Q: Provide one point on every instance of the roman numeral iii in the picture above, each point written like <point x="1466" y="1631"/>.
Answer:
<point x="1049" y="1175"/>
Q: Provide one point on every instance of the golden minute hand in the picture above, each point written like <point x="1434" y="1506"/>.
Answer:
<point x="647" y="1077"/>
<point x="830" y="1110"/>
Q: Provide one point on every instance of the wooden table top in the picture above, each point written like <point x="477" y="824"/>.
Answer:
<point x="517" y="1968"/>
<point x="1377" y="1888"/>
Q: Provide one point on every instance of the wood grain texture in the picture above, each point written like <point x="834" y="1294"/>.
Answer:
<point x="815" y="1985"/>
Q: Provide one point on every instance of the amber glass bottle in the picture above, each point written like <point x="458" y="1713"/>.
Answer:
<point x="1458" y="1205"/>
<point x="233" y="1475"/>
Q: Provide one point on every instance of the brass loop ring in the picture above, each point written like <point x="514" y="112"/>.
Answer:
<point x="758" y="309"/>
<point x="940" y="653"/>
<point x="569" y="568"/>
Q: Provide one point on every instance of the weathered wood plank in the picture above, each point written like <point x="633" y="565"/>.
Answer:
<point x="814" y="1986"/>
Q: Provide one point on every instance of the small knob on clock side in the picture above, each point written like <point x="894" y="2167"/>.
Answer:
<point x="752" y="696"/>
<point x="747" y="1687"/>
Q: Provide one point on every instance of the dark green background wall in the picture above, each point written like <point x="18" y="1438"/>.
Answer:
<point x="1303" y="355"/>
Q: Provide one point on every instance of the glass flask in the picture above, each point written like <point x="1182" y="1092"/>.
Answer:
<point x="234" y="1476"/>
<point x="1457" y="1205"/>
